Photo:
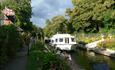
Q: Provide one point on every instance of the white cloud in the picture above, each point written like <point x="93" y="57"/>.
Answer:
<point x="46" y="9"/>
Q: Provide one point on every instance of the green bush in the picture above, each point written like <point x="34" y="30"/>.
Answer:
<point x="41" y="60"/>
<point x="10" y="42"/>
<point x="39" y="46"/>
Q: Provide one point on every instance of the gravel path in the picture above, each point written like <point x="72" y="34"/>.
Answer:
<point x="19" y="62"/>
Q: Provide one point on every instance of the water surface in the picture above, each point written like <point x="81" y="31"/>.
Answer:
<point x="87" y="59"/>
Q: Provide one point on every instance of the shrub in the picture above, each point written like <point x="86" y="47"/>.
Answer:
<point x="108" y="43"/>
<point x="41" y="60"/>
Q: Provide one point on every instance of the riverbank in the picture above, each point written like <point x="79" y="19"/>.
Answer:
<point x="86" y="59"/>
<point x="102" y="51"/>
<point x="66" y="56"/>
<point x="106" y="52"/>
<point x="104" y="47"/>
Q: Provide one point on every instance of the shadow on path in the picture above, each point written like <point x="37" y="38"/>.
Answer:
<point x="19" y="62"/>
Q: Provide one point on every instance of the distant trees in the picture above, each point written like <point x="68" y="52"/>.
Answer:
<point x="55" y="25"/>
<point x="58" y="24"/>
<point x="89" y="16"/>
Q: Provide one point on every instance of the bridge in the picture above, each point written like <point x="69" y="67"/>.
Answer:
<point x="93" y="44"/>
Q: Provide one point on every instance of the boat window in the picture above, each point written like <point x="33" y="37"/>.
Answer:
<point x="56" y="40"/>
<point x="61" y="40"/>
<point x="66" y="40"/>
<point x="47" y="41"/>
<point x="52" y="41"/>
<point x="73" y="39"/>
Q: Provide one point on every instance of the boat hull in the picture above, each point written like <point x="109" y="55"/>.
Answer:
<point x="67" y="47"/>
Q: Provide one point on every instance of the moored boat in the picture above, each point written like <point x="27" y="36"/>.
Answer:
<point x="63" y="41"/>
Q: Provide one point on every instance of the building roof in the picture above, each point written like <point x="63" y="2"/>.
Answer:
<point x="62" y="36"/>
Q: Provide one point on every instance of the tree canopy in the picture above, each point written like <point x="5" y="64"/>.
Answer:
<point x="89" y="16"/>
<point x="58" y="24"/>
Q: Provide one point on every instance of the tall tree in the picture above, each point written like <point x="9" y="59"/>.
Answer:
<point x="88" y="15"/>
<point x="57" y="24"/>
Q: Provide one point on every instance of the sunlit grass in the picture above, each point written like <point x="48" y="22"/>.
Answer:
<point x="88" y="38"/>
<point x="108" y="43"/>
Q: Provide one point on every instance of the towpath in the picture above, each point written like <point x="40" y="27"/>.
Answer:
<point x="19" y="62"/>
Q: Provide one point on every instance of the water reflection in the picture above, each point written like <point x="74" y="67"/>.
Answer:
<point x="88" y="59"/>
<point x="100" y="66"/>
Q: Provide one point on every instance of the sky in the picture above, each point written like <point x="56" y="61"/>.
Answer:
<point x="46" y="9"/>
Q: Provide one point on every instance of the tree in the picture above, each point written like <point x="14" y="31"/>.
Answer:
<point x="88" y="15"/>
<point x="57" y="24"/>
<point x="37" y="32"/>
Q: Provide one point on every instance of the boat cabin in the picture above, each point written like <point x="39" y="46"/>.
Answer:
<point x="63" y="41"/>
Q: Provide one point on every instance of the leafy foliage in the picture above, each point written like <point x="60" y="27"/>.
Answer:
<point x="41" y="60"/>
<point x="37" y="32"/>
<point x="89" y="16"/>
<point x="10" y="39"/>
<point x="58" y="24"/>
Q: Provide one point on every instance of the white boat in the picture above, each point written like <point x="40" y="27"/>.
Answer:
<point x="63" y="41"/>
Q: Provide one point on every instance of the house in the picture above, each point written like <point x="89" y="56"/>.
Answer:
<point x="7" y="16"/>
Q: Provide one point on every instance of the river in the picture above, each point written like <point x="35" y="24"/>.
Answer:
<point x="86" y="59"/>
